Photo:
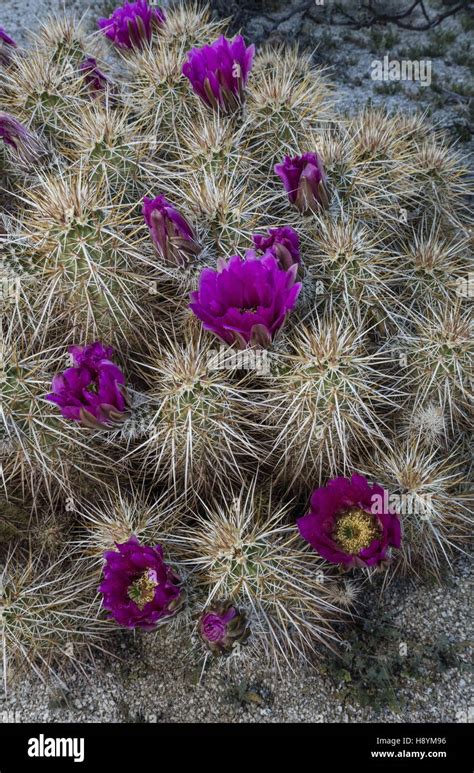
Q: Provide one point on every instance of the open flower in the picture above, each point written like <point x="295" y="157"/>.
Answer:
<point x="131" y="25"/>
<point x="93" y="75"/>
<point x="246" y="301"/>
<point x="305" y="180"/>
<point x="350" y="523"/>
<point x="222" y="626"/>
<point x="7" y="44"/>
<point x="18" y="137"/>
<point x="139" y="588"/>
<point x="172" y="235"/>
<point x="218" y="73"/>
<point x="282" y="242"/>
<point x="92" y="392"/>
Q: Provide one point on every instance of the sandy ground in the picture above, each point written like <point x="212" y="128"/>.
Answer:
<point x="155" y="681"/>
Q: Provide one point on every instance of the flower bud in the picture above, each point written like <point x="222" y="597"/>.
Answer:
<point x="218" y="73"/>
<point x="93" y="76"/>
<point x="7" y="44"/>
<point x="305" y="182"/>
<point x="172" y="235"/>
<point x="281" y="242"/>
<point x="131" y="25"/>
<point x="92" y="392"/>
<point x="222" y="626"/>
<point x="15" y="135"/>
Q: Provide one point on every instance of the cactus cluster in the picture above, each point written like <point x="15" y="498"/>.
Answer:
<point x="218" y="294"/>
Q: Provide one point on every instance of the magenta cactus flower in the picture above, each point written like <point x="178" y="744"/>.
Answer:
<point x="92" y="356"/>
<point x="222" y="626"/>
<point x="305" y="181"/>
<point x="7" y="44"/>
<point x="246" y="301"/>
<point x="139" y="589"/>
<point x="92" y="391"/>
<point x="93" y="75"/>
<point x="131" y="25"/>
<point x="12" y="132"/>
<point x="350" y="523"/>
<point x="5" y="38"/>
<point x="281" y="242"/>
<point x="218" y="73"/>
<point x="171" y="233"/>
<point x="18" y="137"/>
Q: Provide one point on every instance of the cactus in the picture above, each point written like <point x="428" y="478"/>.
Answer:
<point x="279" y="293"/>
<point x="36" y="455"/>
<point x="48" y="616"/>
<point x="200" y="417"/>
<point x="326" y="399"/>
<point x="432" y="496"/>
<point x="117" y="515"/>
<point x="439" y="359"/>
<point x="241" y="547"/>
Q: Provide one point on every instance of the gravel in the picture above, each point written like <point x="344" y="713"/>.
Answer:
<point x="19" y="16"/>
<point x="156" y="681"/>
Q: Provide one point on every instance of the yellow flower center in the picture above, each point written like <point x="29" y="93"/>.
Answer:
<point x="355" y="529"/>
<point x="142" y="591"/>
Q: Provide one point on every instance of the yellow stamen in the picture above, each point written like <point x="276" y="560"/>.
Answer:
<point x="355" y="529"/>
<point x="142" y="591"/>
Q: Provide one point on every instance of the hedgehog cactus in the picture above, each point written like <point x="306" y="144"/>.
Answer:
<point x="36" y="455"/>
<point x="47" y="614"/>
<point x="242" y="546"/>
<point x="286" y="292"/>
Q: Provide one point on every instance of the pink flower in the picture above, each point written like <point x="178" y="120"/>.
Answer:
<point x="305" y="180"/>
<point x="218" y="73"/>
<point x="139" y="588"/>
<point x="131" y="25"/>
<point x="246" y="301"/>
<point x="350" y="523"/>
<point x="281" y="242"/>
<point x="92" y="392"/>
